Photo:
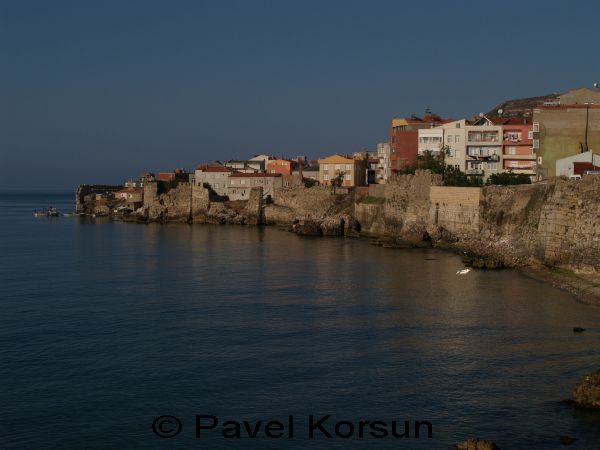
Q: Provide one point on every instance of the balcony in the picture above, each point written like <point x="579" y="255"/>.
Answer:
<point x="483" y="137"/>
<point x="520" y="157"/>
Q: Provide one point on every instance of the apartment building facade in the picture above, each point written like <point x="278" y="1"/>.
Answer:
<point x="353" y="170"/>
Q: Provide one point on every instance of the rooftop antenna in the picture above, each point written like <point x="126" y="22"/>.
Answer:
<point x="428" y="110"/>
<point x="596" y="85"/>
<point x="500" y="111"/>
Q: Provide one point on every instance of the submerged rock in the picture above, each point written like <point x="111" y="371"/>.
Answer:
<point x="307" y="228"/>
<point x="578" y="330"/>
<point x="476" y="444"/>
<point x="587" y="392"/>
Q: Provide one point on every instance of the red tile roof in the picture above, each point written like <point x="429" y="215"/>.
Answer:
<point x="205" y="168"/>
<point x="254" y="175"/>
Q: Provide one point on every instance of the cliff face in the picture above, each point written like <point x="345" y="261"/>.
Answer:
<point x="556" y="223"/>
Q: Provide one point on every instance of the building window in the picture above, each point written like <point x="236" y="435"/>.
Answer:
<point x="536" y="143"/>
<point x="530" y="135"/>
<point x="325" y="166"/>
<point x="326" y="177"/>
<point x="457" y="153"/>
<point x="216" y="185"/>
<point x="536" y="127"/>
<point x="347" y="176"/>
<point x="449" y="140"/>
<point x="457" y="124"/>
<point x="456" y="139"/>
<point x="242" y="181"/>
<point x="348" y="166"/>
<point x="493" y="166"/>
<point x="337" y="167"/>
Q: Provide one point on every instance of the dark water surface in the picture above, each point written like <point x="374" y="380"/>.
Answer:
<point x="105" y="326"/>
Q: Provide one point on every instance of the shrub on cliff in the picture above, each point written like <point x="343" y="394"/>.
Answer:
<point x="508" y="178"/>
<point x="454" y="177"/>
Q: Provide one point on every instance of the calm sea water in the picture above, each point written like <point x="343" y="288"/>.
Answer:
<point x="105" y="326"/>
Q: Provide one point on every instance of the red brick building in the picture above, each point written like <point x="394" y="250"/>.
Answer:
<point x="404" y="138"/>
<point x="282" y="166"/>
<point x="177" y="174"/>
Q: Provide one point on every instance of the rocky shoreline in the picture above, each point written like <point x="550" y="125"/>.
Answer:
<point x="550" y="231"/>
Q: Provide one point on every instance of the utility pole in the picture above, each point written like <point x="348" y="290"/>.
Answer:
<point x="587" y="114"/>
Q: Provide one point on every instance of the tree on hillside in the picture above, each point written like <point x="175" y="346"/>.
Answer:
<point x="338" y="180"/>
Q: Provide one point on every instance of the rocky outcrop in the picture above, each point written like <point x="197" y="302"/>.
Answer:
<point x="476" y="444"/>
<point x="314" y="211"/>
<point x="181" y="203"/>
<point x="587" y="392"/>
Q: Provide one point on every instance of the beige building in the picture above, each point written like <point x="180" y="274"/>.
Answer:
<point x="483" y="148"/>
<point x="353" y="170"/>
<point x="240" y="184"/>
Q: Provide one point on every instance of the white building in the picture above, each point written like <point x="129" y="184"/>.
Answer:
<point x="384" y="167"/>
<point x="215" y="176"/>
<point x="577" y="164"/>
<point x="451" y="136"/>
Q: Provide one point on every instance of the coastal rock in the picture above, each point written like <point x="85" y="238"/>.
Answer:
<point x="587" y="392"/>
<point x="483" y="262"/>
<point x="476" y="444"/>
<point x="332" y="226"/>
<point x="307" y="228"/>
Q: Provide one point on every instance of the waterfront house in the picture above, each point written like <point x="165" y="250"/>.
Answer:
<point x="241" y="183"/>
<point x="352" y="170"/>
<point x="215" y="176"/>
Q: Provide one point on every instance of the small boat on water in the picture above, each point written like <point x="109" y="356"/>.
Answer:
<point x="50" y="212"/>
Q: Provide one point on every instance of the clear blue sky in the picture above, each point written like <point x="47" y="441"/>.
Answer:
<point x="99" y="91"/>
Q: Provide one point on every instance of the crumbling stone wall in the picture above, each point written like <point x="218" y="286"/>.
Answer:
<point x="569" y="225"/>
<point x="555" y="223"/>
<point x="254" y="207"/>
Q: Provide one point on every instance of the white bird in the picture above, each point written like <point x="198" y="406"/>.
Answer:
<point x="463" y="272"/>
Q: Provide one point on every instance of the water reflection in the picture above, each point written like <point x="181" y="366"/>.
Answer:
<point x="135" y="320"/>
